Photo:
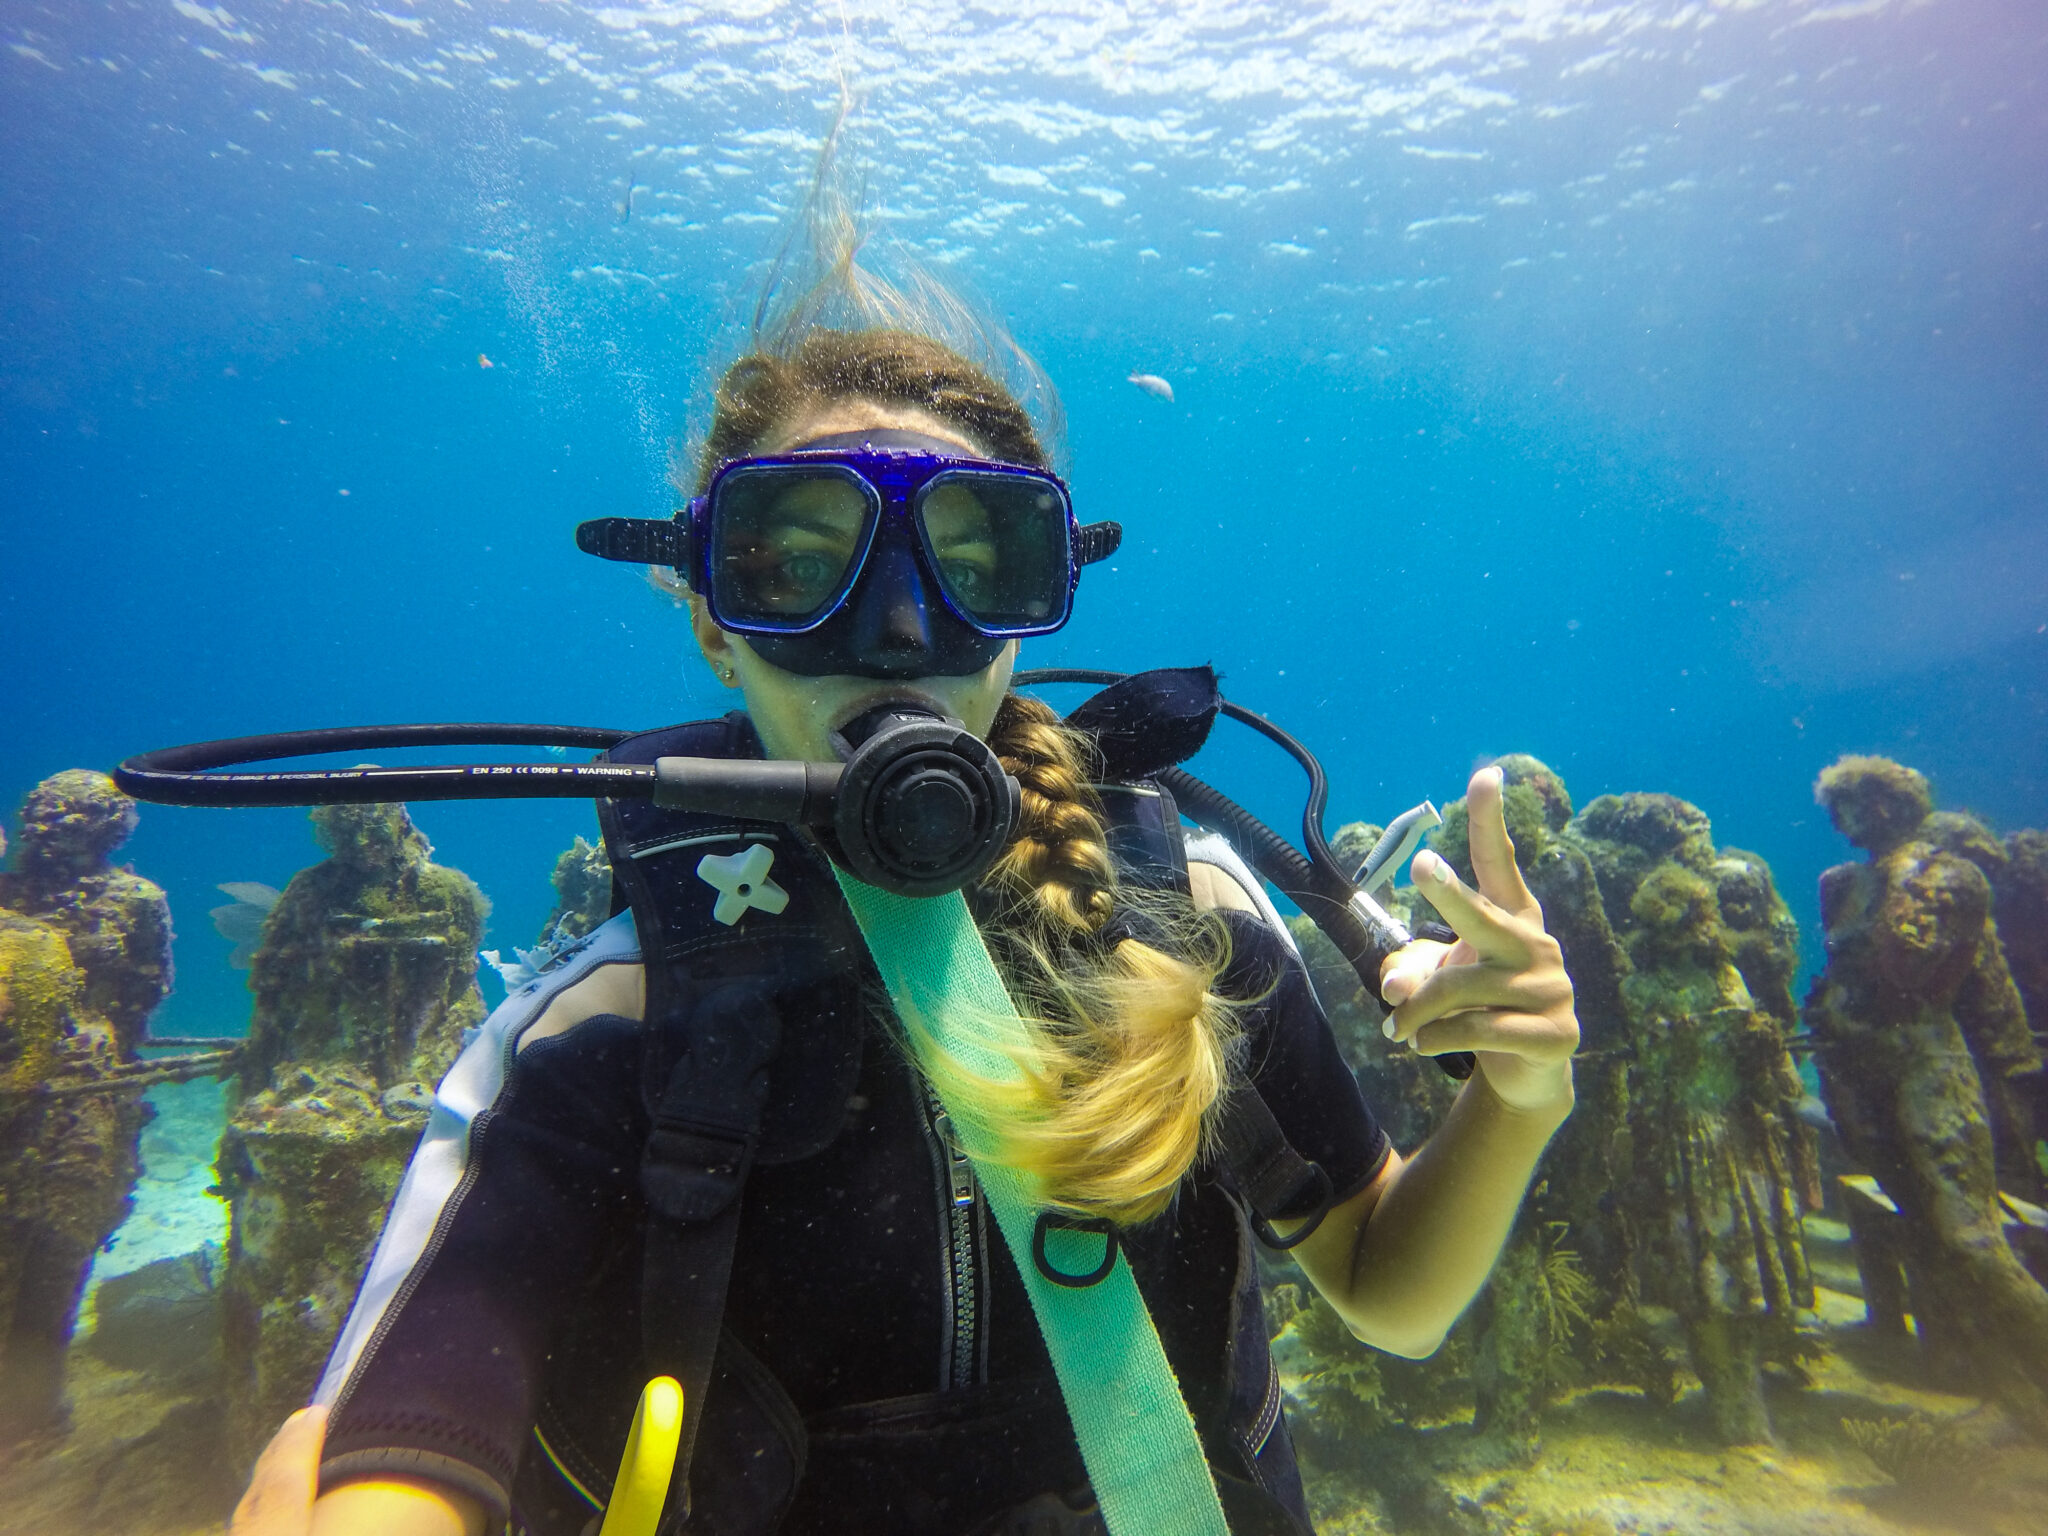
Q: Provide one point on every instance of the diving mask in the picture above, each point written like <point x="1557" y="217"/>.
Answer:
<point x="884" y="554"/>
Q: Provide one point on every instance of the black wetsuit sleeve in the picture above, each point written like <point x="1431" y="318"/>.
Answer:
<point x="1292" y="1058"/>
<point x="446" y="1386"/>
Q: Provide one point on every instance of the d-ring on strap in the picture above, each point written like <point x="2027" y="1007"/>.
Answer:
<point x="1136" y="1436"/>
<point x="1052" y="1221"/>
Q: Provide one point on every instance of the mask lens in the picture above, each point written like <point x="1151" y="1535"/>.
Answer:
<point x="1000" y="546"/>
<point x="784" y="541"/>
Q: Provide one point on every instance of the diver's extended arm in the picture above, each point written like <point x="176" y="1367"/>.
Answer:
<point x="1404" y="1257"/>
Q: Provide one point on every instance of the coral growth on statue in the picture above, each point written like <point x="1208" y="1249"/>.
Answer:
<point x="365" y="979"/>
<point x="1931" y="1074"/>
<point x="84" y="959"/>
<point x="1664" y="1229"/>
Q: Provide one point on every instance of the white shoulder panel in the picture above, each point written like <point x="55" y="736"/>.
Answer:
<point x="438" y="1175"/>
<point x="1206" y="847"/>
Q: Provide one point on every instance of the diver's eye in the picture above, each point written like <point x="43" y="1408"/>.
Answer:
<point x="967" y="578"/>
<point x="807" y="572"/>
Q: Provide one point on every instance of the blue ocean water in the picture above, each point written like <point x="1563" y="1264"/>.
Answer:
<point x="1656" y="387"/>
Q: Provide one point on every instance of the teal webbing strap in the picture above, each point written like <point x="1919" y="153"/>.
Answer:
<point x="1137" y="1437"/>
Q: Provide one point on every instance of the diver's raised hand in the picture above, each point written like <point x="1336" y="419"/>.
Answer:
<point x="1501" y="991"/>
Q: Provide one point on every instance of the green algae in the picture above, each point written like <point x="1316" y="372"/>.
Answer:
<point x="583" y="891"/>
<point x="39" y="987"/>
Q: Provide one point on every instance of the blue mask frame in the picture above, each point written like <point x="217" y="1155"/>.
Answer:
<point x="891" y="615"/>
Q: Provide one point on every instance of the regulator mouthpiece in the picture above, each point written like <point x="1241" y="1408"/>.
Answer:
<point x="923" y="806"/>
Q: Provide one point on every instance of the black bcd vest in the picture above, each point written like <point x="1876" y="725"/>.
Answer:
<point x="726" y="1088"/>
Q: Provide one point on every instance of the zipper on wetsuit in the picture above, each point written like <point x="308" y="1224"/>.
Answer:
<point x="962" y="1197"/>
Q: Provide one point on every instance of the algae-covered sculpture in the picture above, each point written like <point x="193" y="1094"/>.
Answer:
<point x="1520" y="1353"/>
<point x="84" y="958"/>
<point x="583" y="900"/>
<point x="2020" y="906"/>
<point x="1992" y="1009"/>
<point x="365" y="980"/>
<point x="2019" y="892"/>
<point x="583" y="890"/>
<point x="1717" y="1198"/>
<point x="1925" y="1063"/>
<point x="1664" y="1225"/>
<point x="1763" y="939"/>
<point x="117" y="924"/>
<point x="1682" y="1174"/>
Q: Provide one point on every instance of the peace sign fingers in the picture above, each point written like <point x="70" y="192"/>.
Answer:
<point x="1493" y="851"/>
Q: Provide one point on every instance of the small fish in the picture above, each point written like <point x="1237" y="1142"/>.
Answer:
<point x="1814" y="1113"/>
<point x="626" y="202"/>
<point x="484" y="362"/>
<point x="240" y="922"/>
<point x="1154" y="386"/>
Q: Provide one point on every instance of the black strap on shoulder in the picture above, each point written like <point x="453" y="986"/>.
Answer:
<point x="710" y="1048"/>
<point x="1275" y="1182"/>
<point x="692" y="1171"/>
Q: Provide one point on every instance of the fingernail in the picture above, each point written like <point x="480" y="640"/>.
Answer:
<point x="1497" y="776"/>
<point x="1438" y="869"/>
<point x="1387" y="1026"/>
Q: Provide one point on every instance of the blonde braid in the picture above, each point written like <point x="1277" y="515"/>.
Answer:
<point x="1060" y="854"/>
<point x="1130" y="1047"/>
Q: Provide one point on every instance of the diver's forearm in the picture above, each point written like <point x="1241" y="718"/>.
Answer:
<point x="397" y="1506"/>
<point x="1431" y="1239"/>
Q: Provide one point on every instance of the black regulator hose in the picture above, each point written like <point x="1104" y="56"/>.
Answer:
<point x="1312" y="807"/>
<point x="184" y="776"/>
<point x="1326" y="899"/>
<point x="1362" y="933"/>
<point x="926" y="808"/>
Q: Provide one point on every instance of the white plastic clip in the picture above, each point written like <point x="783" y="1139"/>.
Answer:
<point x="742" y="883"/>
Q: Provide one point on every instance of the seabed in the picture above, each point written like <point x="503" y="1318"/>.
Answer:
<point x="1612" y="1464"/>
<point x="146" y="1412"/>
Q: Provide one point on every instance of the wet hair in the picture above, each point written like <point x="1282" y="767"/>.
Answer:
<point x="890" y="367"/>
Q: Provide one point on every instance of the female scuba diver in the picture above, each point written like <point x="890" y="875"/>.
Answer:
<point x="876" y="528"/>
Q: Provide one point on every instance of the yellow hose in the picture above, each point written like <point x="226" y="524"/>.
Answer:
<point x="649" y="1462"/>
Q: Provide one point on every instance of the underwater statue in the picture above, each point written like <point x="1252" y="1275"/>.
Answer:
<point x="1992" y="1008"/>
<point x="583" y="891"/>
<point x="2019" y="892"/>
<point x="365" y="979"/>
<point x="1680" y="1182"/>
<point x="1664" y="1225"/>
<point x="2020" y="904"/>
<point x="84" y="958"/>
<point x="117" y="924"/>
<point x="1563" y="1254"/>
<point x="1929" y="1071"/>
<point x="583" y="900"/>
<point x="1722" y="1165"/>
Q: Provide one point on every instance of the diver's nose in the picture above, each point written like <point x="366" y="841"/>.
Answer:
<point x="893" y="627"/>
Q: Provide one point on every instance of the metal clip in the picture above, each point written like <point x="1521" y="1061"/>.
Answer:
<point x="959" y="1170"/>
